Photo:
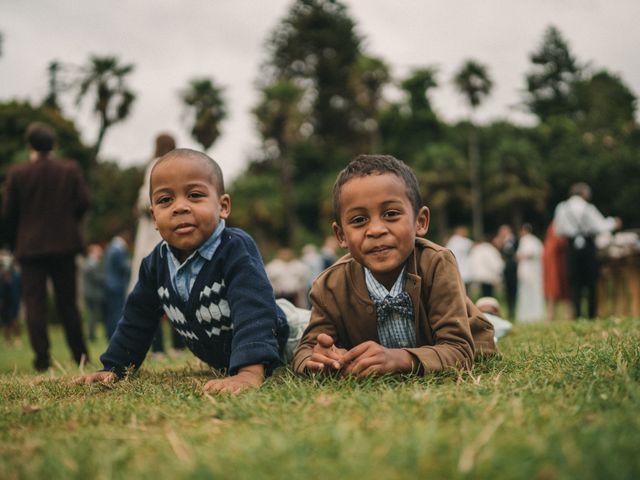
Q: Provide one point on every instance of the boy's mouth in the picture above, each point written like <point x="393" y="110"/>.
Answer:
<point x="184" y="228"/>
<point x="379" y="249"/>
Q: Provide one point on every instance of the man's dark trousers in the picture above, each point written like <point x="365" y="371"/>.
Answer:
<point x="61" y="269"/>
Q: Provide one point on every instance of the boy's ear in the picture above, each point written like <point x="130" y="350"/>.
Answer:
<point x="153" y="217"/>
<point x="339" y="233"/>
<point x="422" y="222"/>
<point x="225" y="206"/>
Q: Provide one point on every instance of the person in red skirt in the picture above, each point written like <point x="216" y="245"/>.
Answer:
<point x="555" y="280"/>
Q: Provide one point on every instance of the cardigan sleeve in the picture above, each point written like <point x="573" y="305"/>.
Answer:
<point x="142" y="312"/>
<point x="254" y="314"/>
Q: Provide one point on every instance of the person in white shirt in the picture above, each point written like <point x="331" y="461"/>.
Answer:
<point x="486" y="266"/>
<point x="460" y="245"/>
<point x="580" y="221"/>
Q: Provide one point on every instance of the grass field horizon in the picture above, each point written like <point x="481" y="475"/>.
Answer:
<point x="561" y="401"/>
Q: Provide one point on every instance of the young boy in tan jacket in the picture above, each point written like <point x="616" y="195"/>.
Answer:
<point x="395" y="303"/>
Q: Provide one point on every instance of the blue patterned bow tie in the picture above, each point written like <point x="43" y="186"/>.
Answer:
<point x="401" y="304"/>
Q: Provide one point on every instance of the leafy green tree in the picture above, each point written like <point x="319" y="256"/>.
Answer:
<point x="474" y="83"/>
<point x="443" y="176"/>
<point x="551" y="80"/>
<point x="604" y="104"/>
<point x="516" y="184"/>
<point x="204" y="101"/>
<point x="407" y="126"/>
<point x="261" y="212"/>
<point x="107" y="78"/>
<point x="114" y="191"/>
<point x="316" y="47"/>
<point x="280" y="121"/>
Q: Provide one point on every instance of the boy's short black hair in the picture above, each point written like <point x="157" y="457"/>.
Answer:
<point x="216" y="172"/>
<point x="364" y="165"/>
<point x="40" y="136"/>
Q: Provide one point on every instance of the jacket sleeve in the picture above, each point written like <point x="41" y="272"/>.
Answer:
<point x="322" y="321"/>
<point x="444" y="301"/>
<point x="82" y="192"/>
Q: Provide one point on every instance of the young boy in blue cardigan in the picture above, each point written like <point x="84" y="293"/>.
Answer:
<point x="208" y="279"/>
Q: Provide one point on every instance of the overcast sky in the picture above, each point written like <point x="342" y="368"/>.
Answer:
<point x="173" y="41"/>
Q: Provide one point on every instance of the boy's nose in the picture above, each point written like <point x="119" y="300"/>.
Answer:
<point x="181" y="206"/>
<point x="376" y="227"/>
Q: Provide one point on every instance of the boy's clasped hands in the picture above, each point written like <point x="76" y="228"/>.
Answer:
<point x="367" y="358"/>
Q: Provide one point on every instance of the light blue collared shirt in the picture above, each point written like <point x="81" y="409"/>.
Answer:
<point x="395" y="329"/>
<point x="184" y="275"/>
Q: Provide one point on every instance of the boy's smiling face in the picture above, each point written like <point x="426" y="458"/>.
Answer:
<point x="378" y="224"/>
<point x="185" y="204"/>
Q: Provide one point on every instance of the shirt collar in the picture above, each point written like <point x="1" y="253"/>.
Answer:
<point x="378" y="291"/>
<point x="206" y="250"/>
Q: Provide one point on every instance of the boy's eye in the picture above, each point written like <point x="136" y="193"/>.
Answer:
<point x="359" y="220"/>
<point x="391" y="213"/>
<point x="196" y="195"/>
<point x="163" y="199"/>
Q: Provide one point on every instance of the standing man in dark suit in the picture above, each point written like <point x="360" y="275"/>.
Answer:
<point x="44" y="202"/>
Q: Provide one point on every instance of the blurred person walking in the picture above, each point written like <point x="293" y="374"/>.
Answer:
<point x="117" y="269"/>
<point x="460" y="244"/>
<point x="580" y="221"/>
<point x="530" y="297"/>
<point x="485" y="267"/>
<point x="506" y="241"/>
<point x="44" y="203"/>
<point x="288" y="276"/>
<point x="93" y="288"/>
<point x="10" y="292"/>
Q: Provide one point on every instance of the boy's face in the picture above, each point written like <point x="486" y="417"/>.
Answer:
<point x="378" y="224"/>
<point x="185" y="205"/>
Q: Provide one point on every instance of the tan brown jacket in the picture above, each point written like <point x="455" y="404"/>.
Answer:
<point x="450" y="330"/>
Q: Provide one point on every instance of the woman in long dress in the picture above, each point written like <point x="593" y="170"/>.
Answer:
<point x="147" y="237"/>
<point x="530" y="300"/>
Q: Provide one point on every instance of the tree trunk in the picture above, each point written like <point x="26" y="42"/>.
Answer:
<point x="288" y="201"/>
<point x="104" y="125"/>
<point x="476" y="185"/>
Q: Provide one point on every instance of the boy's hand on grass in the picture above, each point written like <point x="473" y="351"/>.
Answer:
<point x="97" y="377"/>
<point x="247" y="377"/>
<point x="371" y="358"/>
<point x="325" y="354"/>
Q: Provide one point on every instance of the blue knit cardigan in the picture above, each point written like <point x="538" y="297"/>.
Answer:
<point x="229" y="320"/>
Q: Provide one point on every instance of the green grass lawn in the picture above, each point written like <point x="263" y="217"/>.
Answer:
<point x="562" y="401"/>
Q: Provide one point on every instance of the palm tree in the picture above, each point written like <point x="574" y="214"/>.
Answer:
<point x="369" y="77"/>
<point x="280" y="121"/>
<point x="472" y="81"/>
<point x="203" y="98"/>
<point x="113" y="98"/>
